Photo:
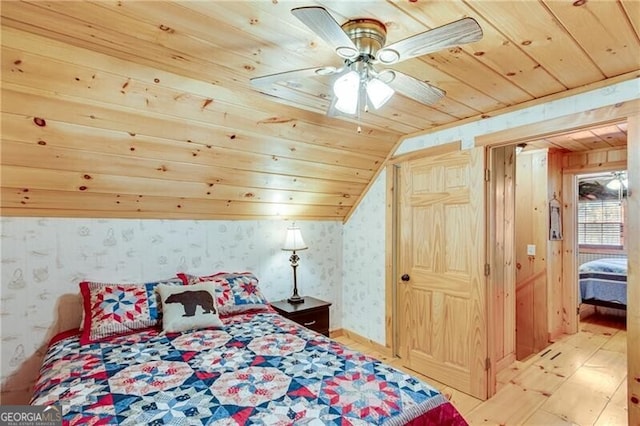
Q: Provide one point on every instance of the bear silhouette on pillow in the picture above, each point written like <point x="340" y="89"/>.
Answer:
<point x="191" y="300"/>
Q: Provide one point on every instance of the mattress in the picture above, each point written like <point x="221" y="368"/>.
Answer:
<point x="260" y="368"/>
<point x="604" y="280"/>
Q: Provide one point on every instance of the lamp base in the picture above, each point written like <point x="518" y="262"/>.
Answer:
<point x="294" y="300"/>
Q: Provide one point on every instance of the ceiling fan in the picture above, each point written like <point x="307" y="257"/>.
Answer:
<point x="603" y="186"/>
<point x="361" y="44"/>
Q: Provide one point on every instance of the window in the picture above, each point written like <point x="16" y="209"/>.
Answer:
<point x="601" y="223"/>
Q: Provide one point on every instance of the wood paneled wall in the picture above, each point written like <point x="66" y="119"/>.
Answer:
<point x="605" y="159"/>
<point x="555" y="249"/>
<point x="531" y="270"/>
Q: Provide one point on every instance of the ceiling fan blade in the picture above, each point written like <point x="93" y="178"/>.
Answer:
<point x="290" y="78"/>
<point x="413" y="88"/>
<point x="464" y="31"/>
<point x="323" y="24"/>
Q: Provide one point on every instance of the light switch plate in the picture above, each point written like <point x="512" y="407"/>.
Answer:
<point x="531" y="249"/>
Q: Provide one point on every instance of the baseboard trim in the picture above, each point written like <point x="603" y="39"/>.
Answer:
<point x="336" y="333"/>
<point x="378" y="347"/>
<point x="505" y="362"/>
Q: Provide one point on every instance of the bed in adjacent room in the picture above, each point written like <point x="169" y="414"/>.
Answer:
<point x="249" y="366"/>
<point x="603" y="282"/>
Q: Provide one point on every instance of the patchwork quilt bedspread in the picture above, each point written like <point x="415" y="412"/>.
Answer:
<point x="604" y="279"/>
<point x="259" y="369"/>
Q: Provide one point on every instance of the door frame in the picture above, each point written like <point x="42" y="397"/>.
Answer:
<point x="500" y="252"/>
<point x="629" y="111"/>
<point x="570" y="257"/>
<point x="442" y="307"/>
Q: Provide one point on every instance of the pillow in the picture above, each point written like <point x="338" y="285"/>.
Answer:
<point x="235" y="292"/>
<point x="112" y="309"/>
<point x="189" y="307"/>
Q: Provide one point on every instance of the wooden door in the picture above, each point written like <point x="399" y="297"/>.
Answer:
<point x="442" y="300"/>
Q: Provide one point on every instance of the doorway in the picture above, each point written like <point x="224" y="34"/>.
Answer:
<point x="541" y="269"/>
<point x="522" y="257"/>
<point x="602" y="255"/>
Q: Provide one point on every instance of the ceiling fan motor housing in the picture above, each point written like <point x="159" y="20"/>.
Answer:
<point x="369" y="35"/>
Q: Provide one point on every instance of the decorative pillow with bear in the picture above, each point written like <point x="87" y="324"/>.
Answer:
<point x="112" y="309"/>
<point x="189" y="307"/>
<point x="235" y="292"/>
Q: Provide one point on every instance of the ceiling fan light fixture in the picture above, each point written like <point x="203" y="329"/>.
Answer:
<point x="378" y="92"/>
<point x="346" y="89"/>
<point x="347" y="104"/>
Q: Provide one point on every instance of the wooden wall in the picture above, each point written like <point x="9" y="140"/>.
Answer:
<point x="531" y="221"/>
<point x="555" y="249"/>
<point x="597" y="160"/>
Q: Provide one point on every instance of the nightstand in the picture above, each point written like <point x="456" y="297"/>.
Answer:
<point x="313" y="313"/>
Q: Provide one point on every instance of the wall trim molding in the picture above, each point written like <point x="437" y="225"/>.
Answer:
<point x="544" y="109"/>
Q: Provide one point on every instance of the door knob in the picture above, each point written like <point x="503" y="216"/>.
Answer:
<point x="405" y="277"/>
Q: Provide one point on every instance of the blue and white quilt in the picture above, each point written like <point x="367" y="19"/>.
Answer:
<point x="604" y="280"/>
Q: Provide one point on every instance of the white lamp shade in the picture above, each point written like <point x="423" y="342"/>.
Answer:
<point x="614" y="184"/>
<point x="379" y="92"/>
<point x="346" y="89"/>
<point x="617" y="183"/>
<point x="293" y="240"/>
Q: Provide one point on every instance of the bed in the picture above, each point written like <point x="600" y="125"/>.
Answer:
<point x="256" y="368"/>
<point x="603" y="282"/>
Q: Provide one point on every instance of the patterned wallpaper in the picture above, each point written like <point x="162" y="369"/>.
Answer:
<point x="363" y="282"/>
<point x="43" y="260"/>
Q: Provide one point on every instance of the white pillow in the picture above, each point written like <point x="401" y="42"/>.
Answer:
<point x="188" y="307"/>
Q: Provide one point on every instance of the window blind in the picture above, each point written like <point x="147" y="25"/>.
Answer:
<point x="600" y="223"/>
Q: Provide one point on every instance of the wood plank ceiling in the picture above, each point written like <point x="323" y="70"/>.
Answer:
<point x="144" y="109"/>
<point x="587" y="139"/>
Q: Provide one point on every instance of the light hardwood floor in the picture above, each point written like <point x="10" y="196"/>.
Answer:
<point x="580" y="379"/>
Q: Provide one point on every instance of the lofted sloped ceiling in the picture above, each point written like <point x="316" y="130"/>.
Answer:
<point x="144" y="109"/>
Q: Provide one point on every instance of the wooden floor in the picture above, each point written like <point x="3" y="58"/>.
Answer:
<point x="579" y="380"/>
